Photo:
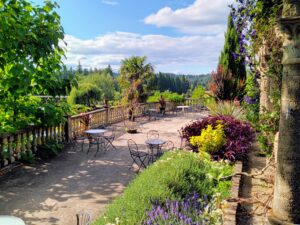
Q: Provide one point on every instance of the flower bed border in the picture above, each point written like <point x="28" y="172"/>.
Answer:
<point x="230" y="209"/>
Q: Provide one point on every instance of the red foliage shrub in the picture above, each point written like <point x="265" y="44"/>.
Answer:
<point x="239" y="135"/>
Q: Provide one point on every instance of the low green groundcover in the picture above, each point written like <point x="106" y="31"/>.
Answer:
<point x="176" y="175"/>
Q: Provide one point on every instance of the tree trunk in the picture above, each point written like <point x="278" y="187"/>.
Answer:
<point x="286" y="203"/>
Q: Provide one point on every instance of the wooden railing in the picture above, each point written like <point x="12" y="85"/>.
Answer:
<point x="12" y="146"/>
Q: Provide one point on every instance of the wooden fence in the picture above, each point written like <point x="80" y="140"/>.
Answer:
<point x="27" y="141"/>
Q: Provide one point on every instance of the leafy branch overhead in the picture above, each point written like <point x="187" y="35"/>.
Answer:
<point x="30" y="52"/>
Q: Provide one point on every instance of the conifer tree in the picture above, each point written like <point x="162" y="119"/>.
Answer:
<point x="232" y="63"/>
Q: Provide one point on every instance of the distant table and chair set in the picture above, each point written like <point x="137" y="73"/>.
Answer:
<point x="155" y="148"/>
<point x="102" y="138"/>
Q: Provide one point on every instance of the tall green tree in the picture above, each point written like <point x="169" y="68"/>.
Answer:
<point x="232" y="64"/>
<point x="30" y="54"/>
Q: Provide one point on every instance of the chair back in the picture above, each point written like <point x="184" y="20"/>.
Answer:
<point x="111" y="132"/>
<point x="152" y="134"/>
<point x="132" y="146"/>
<point x="180" y="133"/>
<point x="168" y="146"/>
<point x="83" y="218"/>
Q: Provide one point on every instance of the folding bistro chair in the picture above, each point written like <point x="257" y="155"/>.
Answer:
<point x="79" y="141"/>
<point x="182" y="141"/>
<point x="109" y="137"/>
<point x="152" y="134"/>
<point x="138" y="157"/>
<point x="168" y="146"/>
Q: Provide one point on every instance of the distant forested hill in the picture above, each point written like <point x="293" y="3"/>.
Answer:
<point x="196" y="80"/>
<point x="178" y="83"/>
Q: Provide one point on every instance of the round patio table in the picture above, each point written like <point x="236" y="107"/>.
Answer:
<point x="154" y="144"/>
<point x="95" y="132"/>
<point x="11" y="220"/>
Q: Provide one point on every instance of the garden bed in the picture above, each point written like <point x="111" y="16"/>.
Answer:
<point x="178" y="179"/>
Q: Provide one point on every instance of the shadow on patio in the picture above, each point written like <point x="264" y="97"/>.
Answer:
<point x="53" y="192"/>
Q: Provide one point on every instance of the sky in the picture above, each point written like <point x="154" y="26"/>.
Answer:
<point x="177" y="36"/>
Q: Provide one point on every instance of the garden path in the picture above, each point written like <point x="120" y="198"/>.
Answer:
<point x="51" y="193"/>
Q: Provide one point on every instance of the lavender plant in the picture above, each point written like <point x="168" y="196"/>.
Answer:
<point x="193" y="210"/>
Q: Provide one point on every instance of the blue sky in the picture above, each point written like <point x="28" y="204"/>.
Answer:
<point x="180" y="36"/>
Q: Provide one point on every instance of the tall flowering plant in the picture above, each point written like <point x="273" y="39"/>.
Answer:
<point x="86" y="119"/>
<point x="192" y="210"/>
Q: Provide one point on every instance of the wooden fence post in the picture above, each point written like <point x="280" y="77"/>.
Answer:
<point x="68" y="129"/>
<point x="106" y="107"/>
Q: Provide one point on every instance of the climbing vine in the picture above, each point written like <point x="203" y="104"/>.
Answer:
<point x="256" y="23"/>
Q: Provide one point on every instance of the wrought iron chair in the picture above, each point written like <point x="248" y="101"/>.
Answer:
<point x="109" y="137"/>
<point x="138" y="157"/>
<point x="181" y="138"/>
<point x="79" y="140"/>
<point x="83" y="219"/>
<point x="152" y="134"/>
<point x="168" y="146"/>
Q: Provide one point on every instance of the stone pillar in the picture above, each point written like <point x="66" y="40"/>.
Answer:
<point x="286" y="203"/>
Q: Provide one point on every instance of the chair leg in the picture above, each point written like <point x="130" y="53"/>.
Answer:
<point x="111" y="144"/>
<point x="88" y="149"/>
<point x="82" y="146"/>
<point x="97" y="149"/>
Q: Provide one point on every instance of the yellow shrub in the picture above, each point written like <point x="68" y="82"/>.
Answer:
<point x="210" y="140"/>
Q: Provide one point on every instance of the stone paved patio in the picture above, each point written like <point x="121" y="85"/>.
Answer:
<point x="52" y="193"/>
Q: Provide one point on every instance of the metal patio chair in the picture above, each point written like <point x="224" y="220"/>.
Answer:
<point x="181" y="138"/>
<point x="152" y="134"/>
<point x="109" y="137"/>
<point x="139" y="157"/>
<point x="79" y="141"/>
<point x="168" y="146"/>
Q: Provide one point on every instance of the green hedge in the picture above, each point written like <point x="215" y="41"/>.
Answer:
<point x="174" y="176"/>
<point x="168" y="96"/>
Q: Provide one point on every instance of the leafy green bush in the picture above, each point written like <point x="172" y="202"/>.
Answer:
<point x="27" y="157"/>
<point x="174" y="176"/>
<point x="167" y="95"/>
<point x="34" y="111"/>
<point x="77" y="109"/>
<point x="86" y="94"/>
<point x="50" y="149"/>
<point x="198" y="92"/>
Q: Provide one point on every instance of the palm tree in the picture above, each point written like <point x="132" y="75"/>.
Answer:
<point x="134" y="73"/>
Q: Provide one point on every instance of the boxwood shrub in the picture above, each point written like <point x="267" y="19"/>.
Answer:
<point x="176" y="175"/>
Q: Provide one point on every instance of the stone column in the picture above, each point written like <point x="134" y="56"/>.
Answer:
<point x="286" y="203"/>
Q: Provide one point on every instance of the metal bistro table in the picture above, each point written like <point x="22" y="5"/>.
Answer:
<point x="11" y="220"/>
<point x="95" y="133"/>
<point x="154" y="144"/>
<point x="183" y="107"/>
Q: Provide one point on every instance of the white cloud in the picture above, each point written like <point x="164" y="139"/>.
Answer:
<point x="203" y="16"/>
<point x="189" y="54"/>
<point x="109" y="2"/>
